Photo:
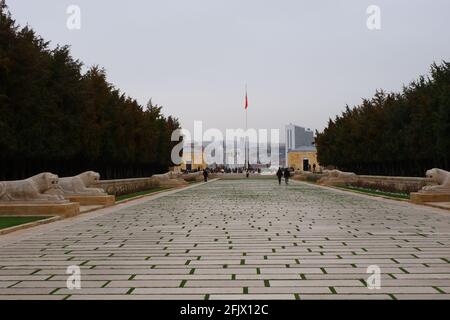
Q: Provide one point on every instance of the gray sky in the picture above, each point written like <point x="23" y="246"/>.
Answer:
<point x="303" y="61"/>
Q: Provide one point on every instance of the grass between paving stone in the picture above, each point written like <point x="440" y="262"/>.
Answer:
<point x="377" y="192"/>
<point x="7" y="222"/>
<point x="141" y="193"/>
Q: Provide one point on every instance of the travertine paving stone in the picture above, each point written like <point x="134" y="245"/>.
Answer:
<point x="239" y="239"/>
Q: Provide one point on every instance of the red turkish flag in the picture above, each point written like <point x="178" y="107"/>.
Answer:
<point x="246" y="100"/>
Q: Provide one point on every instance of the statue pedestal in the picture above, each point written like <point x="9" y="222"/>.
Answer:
<point x="105" y="201"/>
<point x="419" y="197"/>
<point x="68" y="209"/>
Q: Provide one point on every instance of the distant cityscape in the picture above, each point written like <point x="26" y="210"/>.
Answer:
<point x="297" y="152"/>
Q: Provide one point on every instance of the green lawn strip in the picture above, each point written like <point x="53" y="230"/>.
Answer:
<point x="377" y="192"/>
<point x="7" y="222"/>
<point x="439" y="290"/>
<point x="54" y="291"/>
<point x="141" y="193"/>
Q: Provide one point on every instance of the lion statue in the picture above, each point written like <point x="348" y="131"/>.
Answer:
<point x="339" y="174"/>
<point x="336" y="177"/>
<point x="439" y="176"/>
<point x="31" y="190"/>
<point x="80" y="185"/>
<point x="169" y="179"/>
<point x="167" y="176"/>
<point x="193" y="176"/>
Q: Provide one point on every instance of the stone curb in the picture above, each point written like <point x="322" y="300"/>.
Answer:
<point x="146" y="195"/>
<point x="433" y="205"/>
<point x="376" y="197"/>
<point x="355" y="191"/>
<point x="162" y="191"/>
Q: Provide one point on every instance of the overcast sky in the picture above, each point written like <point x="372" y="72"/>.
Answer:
<point x="303" y="61"/>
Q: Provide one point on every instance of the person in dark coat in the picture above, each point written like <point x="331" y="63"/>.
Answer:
<point x="286" y="175"/>
<point x="279" y="175"/>
<point x="205" y="175"/>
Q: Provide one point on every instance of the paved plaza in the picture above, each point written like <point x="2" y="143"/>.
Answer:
<point x="240" y="239"/>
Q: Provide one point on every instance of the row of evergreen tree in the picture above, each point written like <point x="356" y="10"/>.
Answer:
<point x="393" y="133"/>
<point x="54" y="117"/>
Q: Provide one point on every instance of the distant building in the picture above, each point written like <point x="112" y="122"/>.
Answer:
<point x="303" y="158"/>
<point x="193" y="158"/>
<point x="297" y="137"/>
<point x="301" y="154"/>
<point x="231" y="155"/>
<point x="282" y="154"/>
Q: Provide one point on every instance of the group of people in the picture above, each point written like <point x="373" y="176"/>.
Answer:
<point x="280" y="174"/>
<point x="283" y="173"/>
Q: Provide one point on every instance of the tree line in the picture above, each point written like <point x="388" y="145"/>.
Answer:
<point x="402" y="133"/>
<point x="54" y="117"/>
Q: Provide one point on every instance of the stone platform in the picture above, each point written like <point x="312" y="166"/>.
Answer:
<point x="68" y="209"/>
<point x="418" y="197"/>
<point x="105" y="201"/>
<point x="440" y="205"/>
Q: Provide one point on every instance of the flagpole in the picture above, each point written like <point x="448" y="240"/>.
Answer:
<point x="246" y="129"/>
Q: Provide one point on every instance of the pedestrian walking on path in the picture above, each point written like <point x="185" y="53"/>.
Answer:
<point x="286" y="176"/>
<point x="279" y="175"/>
<point x="205" y="175"/>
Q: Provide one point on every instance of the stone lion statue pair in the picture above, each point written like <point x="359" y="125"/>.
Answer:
<point x="31" y="189"/>
<point x="48" y="187"/>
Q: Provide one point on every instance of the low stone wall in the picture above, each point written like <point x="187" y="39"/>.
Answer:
<point x="383" y="183"/>
<point x="401" y="184"/>
<point x="120" y="187"/>
<point x="126" y="186"/>
<point x="307" y="176"/>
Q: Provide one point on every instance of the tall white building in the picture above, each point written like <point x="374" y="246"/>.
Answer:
<point x="297" y="137"/>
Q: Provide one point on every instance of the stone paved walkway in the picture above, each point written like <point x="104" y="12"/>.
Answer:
<point x="247" y="239"/>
